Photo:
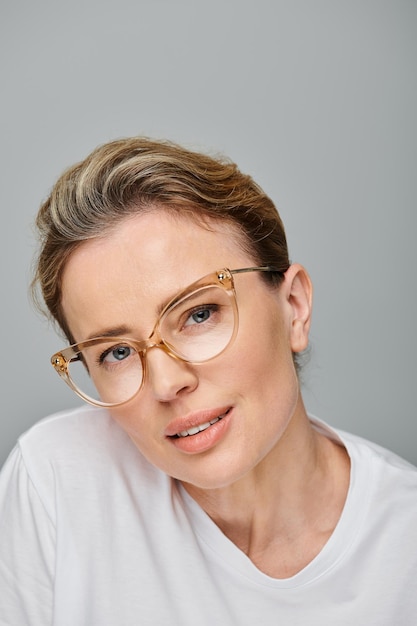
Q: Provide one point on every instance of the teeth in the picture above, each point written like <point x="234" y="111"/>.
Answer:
<point x="194" y="430"/>
<point x="198" y="429"/>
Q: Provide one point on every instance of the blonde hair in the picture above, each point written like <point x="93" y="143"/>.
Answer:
<point x="126" y="176"/>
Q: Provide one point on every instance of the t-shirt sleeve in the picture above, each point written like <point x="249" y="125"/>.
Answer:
<point x="27" y="549"/>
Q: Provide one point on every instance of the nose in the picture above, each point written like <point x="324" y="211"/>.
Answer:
<point x="167" y="376"/>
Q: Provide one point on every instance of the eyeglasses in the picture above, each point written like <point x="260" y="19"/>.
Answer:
<point x="195" y="326"/>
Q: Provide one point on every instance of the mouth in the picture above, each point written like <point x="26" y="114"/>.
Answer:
<point x="198" y="428"/>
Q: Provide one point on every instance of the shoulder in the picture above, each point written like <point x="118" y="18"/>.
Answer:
<point x="69" y="421"/>
<point x="83" y="428"/>
<point x="81" y="453"/>
<point x="383" y="462"/>
<point x="389" y="480"/>
<point x="81" y="437"/>
<point x="365" y="450"/>
<point x="382" y="483"/>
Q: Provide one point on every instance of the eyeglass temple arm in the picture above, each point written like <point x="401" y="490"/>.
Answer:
<point x="265" y="268"/>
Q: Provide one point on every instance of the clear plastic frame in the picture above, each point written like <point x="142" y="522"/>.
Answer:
<point x="197" y="325"/>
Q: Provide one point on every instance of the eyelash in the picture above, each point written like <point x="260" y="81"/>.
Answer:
<point x="102" y="356"/>
<point x="213" y="308"/>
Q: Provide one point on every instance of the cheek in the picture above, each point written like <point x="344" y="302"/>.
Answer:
<point x="259" y="367"/>
<point x="262" y="346"/>
<point x="132" y="419"/>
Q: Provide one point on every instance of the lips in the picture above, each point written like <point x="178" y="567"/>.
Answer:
<point x="196" y="423"/>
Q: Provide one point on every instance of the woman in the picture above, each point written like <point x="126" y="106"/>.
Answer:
<point x="193" y="487"/>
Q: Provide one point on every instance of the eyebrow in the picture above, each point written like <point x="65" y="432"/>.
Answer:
<point x="123" y="330"/>
<point x="117" y="331"/>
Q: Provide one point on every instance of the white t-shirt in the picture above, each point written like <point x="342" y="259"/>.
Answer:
<point x="91" y="534"/>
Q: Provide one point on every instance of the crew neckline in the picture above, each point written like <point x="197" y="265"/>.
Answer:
<point x="219" y="548"/>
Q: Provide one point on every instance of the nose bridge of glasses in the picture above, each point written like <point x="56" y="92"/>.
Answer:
<point x="155" y="340"/>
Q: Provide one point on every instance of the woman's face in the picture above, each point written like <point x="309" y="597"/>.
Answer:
<point x="123" y="280"/>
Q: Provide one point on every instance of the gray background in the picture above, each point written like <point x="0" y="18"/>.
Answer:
<point x="316" y="99"/>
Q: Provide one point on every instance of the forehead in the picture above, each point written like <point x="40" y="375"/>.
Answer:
<point x="164" y="239"/>
<point x="141" y="263"/>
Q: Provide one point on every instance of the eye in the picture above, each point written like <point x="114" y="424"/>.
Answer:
<point x="116" y="354"/>
<point x="200" y="315"/>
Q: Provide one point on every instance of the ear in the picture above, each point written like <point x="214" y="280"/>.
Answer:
<point x="299" y="295"/>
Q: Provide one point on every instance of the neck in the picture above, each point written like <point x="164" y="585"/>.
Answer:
<point x="288" y="505"/>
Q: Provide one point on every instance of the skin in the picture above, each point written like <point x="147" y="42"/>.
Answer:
<point x="272" y="483"/>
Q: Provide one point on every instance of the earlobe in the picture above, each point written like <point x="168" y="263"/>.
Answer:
<point x="299" y="293"/>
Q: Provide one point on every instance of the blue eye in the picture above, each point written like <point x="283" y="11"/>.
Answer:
<point x="119" y="353"/>
<point x="201" y="316"/>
